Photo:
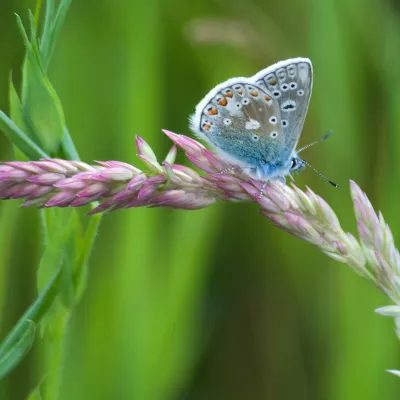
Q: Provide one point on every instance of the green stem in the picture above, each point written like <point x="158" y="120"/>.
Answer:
<point x="56" y="340"/>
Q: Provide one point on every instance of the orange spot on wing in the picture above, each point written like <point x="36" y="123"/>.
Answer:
<point x="240" y="91"/>
<point x="229" y="94"/>
<point x="254" y="93"/>
<point x="272" y="82"/>
<point x="223" y="102"/>
<point x="206" y="127"/>
<point x="212" y="111"/>
<point x="268" y="98"/>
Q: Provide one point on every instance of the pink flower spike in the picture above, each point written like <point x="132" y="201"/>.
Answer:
<point x="152" y="164"/>
<point x="13" y="190"/>
<point x="184" y="172"/>
<point x="82" y="166"/>
<point x="61" y="199"/>
<point x="356" y="192"/>
<point x="277" y="197"/>
<point x="33" y="203"/>
<point x="69" y="167"/>
<point x="40" y="192"/>
<point x="237" y="196"/>
<point x="342" y="250"/>
<point x="114" y="174"/>
<point x="266" y="203"/>
<point x="144" y="149"/>
<point x="217" y="163"/>
<point x="50" y="166"/>
<point x="197" y="203"/>
<point x="258" y="184"/>
<point x="5" y="168"/>
<point x="150" y="186"/>
<point x="329" y="215"/>
<point x="82" y="201"/>
<point x="124" y="195"/>
<point x="364" y="232"/>
<point x="232" y="187"/>
<point x="93" y="190"/>
<point x="25" y="166"/>
<point x="360" y="211"/>
<point x="102" y="207"/>
<point x="203" y="165"/>
<point x="278" y="219"/>
<point x="294" y="221"/>
<point x="224" y="177"/>
<point x="168" y="197"/>
<point x="173" y="136"/>
<point x="168" y="170"/>
<point x="70" y="183"/>
<point x="49" y="178"/>
<point x="133" y="203"/>
<point x="254" y="192"/>
<point x="25" y="191"/>
<point x="171" y="156"/>
<point x="120" y="164"/>
<point x="187" y="144"/>
<point x="4" y="186"/>
<point x="15" y="175"/>
<point x="136" y="182"/>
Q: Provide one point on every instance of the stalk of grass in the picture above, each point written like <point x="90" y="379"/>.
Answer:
<point x="37" y="128"/>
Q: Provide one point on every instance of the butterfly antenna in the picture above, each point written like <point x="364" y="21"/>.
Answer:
<point x="317" y="141"/>
<point x="319" y="173"/>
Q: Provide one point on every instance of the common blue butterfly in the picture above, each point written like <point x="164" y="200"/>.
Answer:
<point x="256" y="122"/>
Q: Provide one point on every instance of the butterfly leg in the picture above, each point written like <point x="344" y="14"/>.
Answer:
<point x="262" y="189"/>
<point x="230" y="169"/>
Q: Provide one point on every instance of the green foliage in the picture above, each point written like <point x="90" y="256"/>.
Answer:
<point x="206" y="305"/>
<point x="37" y="128"/>
<point x="11" y="355"/>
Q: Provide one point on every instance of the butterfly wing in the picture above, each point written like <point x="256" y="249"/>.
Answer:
<point x="243" y="122"/>
<point x="290" y="83"/>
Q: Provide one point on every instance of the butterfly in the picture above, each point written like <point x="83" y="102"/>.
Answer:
<point x="256" y="122"/>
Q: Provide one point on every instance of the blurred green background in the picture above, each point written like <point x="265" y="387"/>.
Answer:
<point x="215" y="304"/>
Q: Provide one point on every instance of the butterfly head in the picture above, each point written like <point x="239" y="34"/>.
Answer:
<point x="297" y="164"/>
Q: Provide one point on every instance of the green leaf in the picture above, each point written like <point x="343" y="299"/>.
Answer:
<point x="35" y="395"/>
<point x="53" y="29"/>
<point x="68" y="147"/>
<point x="61" y="224"/>
<point x="39" y="99"/>
<point x="70" y="244"/>
<point x="18" y="115"/>
<point x="35" y="312"/>
<point x="17" y="351"/>
<point x="61" y="246"/>
<point x="46" y="36"/>
<point x="20" y="139"/>
<point x="81" y="271"/>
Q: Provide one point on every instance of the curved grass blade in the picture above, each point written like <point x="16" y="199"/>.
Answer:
<point x="16" y="352"/>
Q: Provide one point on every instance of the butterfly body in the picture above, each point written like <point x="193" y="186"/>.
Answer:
<point x="256" y="122"/>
